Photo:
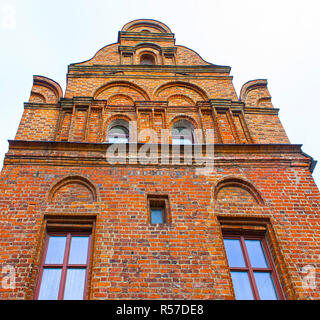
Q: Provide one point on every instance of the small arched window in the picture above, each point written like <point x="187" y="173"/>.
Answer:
<point x="118" y="132"/>
<point x="147" y="59"/>
<point x="182" y="132"/>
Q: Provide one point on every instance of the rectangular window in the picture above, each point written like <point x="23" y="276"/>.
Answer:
<point x="251" y="266"/>
<point x="64" y="268"/>
<point x="158" y="209"/>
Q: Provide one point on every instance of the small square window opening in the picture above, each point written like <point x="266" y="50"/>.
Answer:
<point x="158" y="210"/>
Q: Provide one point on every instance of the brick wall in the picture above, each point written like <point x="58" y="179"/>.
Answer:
<point x="52" y="179"/>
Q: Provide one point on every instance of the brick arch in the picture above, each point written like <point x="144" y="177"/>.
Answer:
<point x="252" y="85"/>
<point x="180" y="100"/>
<point x="110" y="120"/>
<point x="183" y="88"/>
<point x="120" y="100"/>
<point x="73" y="189"/>
<point x="121" y="87"/>
<point x="147" y="51"/>
<point x="37" y="97"/>
<point x="188" y="119"/>
<point x="183" y="117"/>
<point x="235" y="189"/>
<point x="154" y="25"/>
<point x="264" y="102"/>
<point x="147" y="46"/>
<point x="47" y="88"/>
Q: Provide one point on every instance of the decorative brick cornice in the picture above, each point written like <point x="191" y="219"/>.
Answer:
<point x="147" y="68"/>
<point x="250" y="85"/>
<point x="151" y="104"/>
<point x="219" y="104"/>
<point x="132" y="49"/>
<point x="32" y="105"/>
<point x="94" y="154"/>
<point x="145" y="36"/>
<point x="256" y="110"/>
<point x="85" y="101"/>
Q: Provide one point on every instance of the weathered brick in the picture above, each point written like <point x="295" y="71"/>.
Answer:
<point x="56" y="167"/>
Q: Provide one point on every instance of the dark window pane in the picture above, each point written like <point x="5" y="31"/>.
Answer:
<point x="265" y="286"/>
<point x="75" y="284"/>
<point x="156" y="216"/>
<point x="256" y="254"/>
<point x="50" y="283"/>
<point x="79" y="250"/>
<point x="56" y="248"/>
<point x="234" y="253"/>
<point x="241" y="285"/>
<point x="147" y="59"/>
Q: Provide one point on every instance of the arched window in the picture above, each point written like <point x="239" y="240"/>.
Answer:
<point x="147" y="59"/>
<point x="118" y="132"/>
<point x="182" y="132"/>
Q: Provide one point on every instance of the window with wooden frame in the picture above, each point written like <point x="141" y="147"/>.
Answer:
<point x="65" y="261"/>
<point x="158" y="209"/>
<point x="65" y="266"/>
<point x="251" y="267"/>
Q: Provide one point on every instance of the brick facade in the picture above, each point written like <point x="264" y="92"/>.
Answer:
<point x="56" y="176"/>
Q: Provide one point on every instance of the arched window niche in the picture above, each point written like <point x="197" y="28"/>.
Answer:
<point x="237" y="190"/>
<point x="147" y="59"/>
<point x="182" y="133"/>
<point x="118" y="131"/>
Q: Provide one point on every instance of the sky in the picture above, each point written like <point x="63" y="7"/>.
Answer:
<point x="274" y="40"/>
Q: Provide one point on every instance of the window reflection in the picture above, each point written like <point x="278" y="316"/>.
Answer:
<point x="241" y="285"/>
<point x="265" y="286"/>
<point x="55" y="251"/>
<point x="256" y="254"/>
<point x="252" y="271"/>
<point x="75" y="284"/>
<point x="234" y="253"/>
<point x="50" y="284"/>
<point x="79" y="250"/>
<point x="64" y="268"/>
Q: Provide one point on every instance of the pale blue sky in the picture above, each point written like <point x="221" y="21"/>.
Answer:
<point x="273" y="40"/>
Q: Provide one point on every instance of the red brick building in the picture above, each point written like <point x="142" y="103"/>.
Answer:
<point x="95" y="204"/>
